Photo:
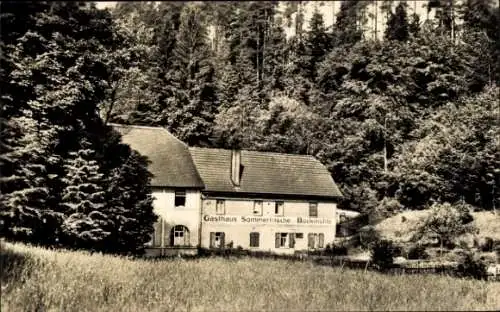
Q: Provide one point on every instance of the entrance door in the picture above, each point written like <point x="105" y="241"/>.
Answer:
<point x="180" y="235"/>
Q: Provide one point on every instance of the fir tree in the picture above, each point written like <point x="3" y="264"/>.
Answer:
<point x="414" y="26"/>
<point x="195" y="102"/>
<point x="397" y="25"/>
<point x="275" y="57"/>
<point x="128" y="196"/>
<point x="317" y="42"/>
<point x="87" y="222"/>
<point x="346" y="30"/>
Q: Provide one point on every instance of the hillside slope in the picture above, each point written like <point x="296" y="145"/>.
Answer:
<point x="401" y="227"/>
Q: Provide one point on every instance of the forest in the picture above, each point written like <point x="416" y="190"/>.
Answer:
<point x="401" y="122"/>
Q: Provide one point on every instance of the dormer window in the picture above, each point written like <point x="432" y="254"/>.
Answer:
<point x="180" y="198"/>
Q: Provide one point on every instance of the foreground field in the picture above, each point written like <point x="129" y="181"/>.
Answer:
<point x="39" y="279"/>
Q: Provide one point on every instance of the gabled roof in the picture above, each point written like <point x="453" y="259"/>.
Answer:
<point x="265" y="173"/>
<point x="174" y="164"/>
<point x="171" y="163"/>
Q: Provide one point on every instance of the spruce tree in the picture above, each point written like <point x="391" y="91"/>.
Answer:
<point x="397" y="25"/>
<point x="414" y="25"/>
<point x="192" y="115"/>
<point x="88" y="223"/>
<point x="275" y="58"/>
<point x="317" y="42"/>
<point x="60" y="79"/>
<point x="128" y="196"/>
<point x="346" y="30"/>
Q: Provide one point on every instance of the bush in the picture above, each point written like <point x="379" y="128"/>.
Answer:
<point x="335" y="250"/>
<point x="464" y="209"/>
<point x="386" y="208"/>
<point x="367" y="236"/>
<point x="470" y="266"/>
<point x="417" y="252"/>
<point x="382" y="253"/>
<point x="487" y="245"/>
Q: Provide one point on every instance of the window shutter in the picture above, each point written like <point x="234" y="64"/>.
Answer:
<point x="212" y="239"/>
<point x="321" y="240"/>
<point x="310" y="240"/>
<point x="168" y="236"/>
<point x="257" y="239"/>
<point x="157" y="233"/>
<point x="223" y="240"/>
<point x="187" y="241"/>
<point x="277" y="241"/>
<point x="292" y="240"/>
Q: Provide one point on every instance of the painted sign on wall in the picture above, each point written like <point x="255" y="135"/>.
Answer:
<point x="266" y="220"/>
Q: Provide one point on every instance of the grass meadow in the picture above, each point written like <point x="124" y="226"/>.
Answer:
<point x="36" y="279"/>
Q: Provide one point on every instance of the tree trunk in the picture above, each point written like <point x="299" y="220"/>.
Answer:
<point x="385" y="144"/>
<point x="452" y="11"/>
<point x="376" y="20"/>
<point x="441" y="249"/>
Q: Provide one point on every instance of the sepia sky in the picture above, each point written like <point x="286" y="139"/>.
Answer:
<point x="330" y="8"/>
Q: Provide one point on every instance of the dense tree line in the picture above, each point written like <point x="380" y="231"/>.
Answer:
<point x="405" y="121"/>
<point x="362" y="106"/>
<point x="66" y="179"/>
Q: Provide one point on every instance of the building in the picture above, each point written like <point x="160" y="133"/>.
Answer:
<point x="214" y="198"/>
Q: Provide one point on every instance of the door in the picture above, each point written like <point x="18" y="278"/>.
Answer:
<point x="180" y="236"/>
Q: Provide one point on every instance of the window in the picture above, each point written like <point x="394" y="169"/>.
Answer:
<point x="285" y="240"/>
<point x="257" y="208"/>
<point x="220" y="207"/>
<point x="299" y="235"/>
<point x="311" y="239"/>
<point x="321" y="238"/>
<point x="217" y="239"/>
<point x="315" y="240"/>
<point x="278" y="208"/>
<point x="180" y="199"/>
<point x="313" y="209"/>
<point x="254" y="239"/>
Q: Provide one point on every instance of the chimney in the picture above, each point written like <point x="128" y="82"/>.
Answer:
<point x="235" y="167"/>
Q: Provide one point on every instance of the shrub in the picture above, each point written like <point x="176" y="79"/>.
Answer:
<point x="470" y="266"/>
<point x="464" y="210"/>
<point x="417" y="252"/>
<point x="367" y="236"/>
<point x="487" y="245"/>
<point x="446" y="223"/>
<point x="335" y="250"/>
<point x="382" y="253"/>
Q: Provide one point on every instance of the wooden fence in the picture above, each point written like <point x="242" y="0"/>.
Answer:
<point x="409" y="268"/>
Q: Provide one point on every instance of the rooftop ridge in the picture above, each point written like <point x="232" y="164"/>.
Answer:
<point x="149" y="127"/>
<point x="135" y="126"/>
<point x="253" y="151"/>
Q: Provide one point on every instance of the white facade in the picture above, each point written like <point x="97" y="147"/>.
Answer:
<point x="279" y="225"/>
<point x="170" y="216"/>
<point x="275" y="225"/>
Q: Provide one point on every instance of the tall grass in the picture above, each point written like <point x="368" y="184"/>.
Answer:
<point x="39" y="279"/>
